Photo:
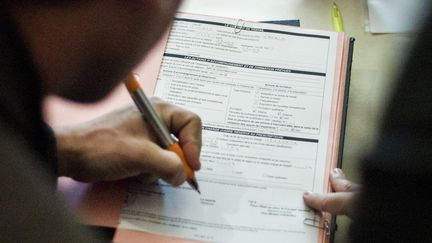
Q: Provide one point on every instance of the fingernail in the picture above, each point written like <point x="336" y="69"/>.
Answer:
<point x="179" y="179"/>
<point x="337" y="172"/>
<point x="306" y="194"/>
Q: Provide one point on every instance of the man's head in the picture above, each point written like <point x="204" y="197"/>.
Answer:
<point x="83" y="48"/>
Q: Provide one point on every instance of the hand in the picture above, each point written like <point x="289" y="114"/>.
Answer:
<point x="341" y="202"/>
<point x="119" y="145"/>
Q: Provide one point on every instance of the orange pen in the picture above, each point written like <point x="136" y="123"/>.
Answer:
<point x="166" y="139"/>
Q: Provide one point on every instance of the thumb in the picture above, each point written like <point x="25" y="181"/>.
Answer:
<point x="150" y="158"/>
<point x="335" y="203"/>
<point x="340" y="183"/>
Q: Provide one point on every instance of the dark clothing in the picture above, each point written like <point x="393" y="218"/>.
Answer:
<point x="395" y="205"/>
<point x="29" y="210"/>
<point x="21" y="97"/>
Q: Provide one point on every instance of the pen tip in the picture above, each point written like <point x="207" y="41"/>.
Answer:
<point x="194" y="184"/>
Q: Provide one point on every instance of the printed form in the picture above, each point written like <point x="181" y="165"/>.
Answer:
<point x="264" y="95"/>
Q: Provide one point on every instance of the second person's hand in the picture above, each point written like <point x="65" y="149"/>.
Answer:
<point x="340" y="202"/>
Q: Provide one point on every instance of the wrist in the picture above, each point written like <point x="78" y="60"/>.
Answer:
<point x="70" y="150"/>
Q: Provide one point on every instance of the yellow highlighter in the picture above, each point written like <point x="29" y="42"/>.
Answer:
<point x="337" y="19"/>
<point x="166" y="139"/>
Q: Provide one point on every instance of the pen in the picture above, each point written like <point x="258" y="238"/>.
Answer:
<point x="337" y="19"/>
<point x="166" y="139"/>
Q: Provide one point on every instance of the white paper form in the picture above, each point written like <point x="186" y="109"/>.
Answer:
<point x="264" y="95"/>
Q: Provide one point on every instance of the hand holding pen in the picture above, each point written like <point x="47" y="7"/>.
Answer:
<point x="166" y="139"/>
<point x="120" y="145"/>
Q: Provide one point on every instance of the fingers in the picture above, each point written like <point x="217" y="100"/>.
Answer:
<point x="334" y="203"/>
<point x="147" y="178"/>
<point x="340" y="202"/>
<point x="339" y="182"/>
<point x="148" y="157"/>
<point x="187" y="126"/>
